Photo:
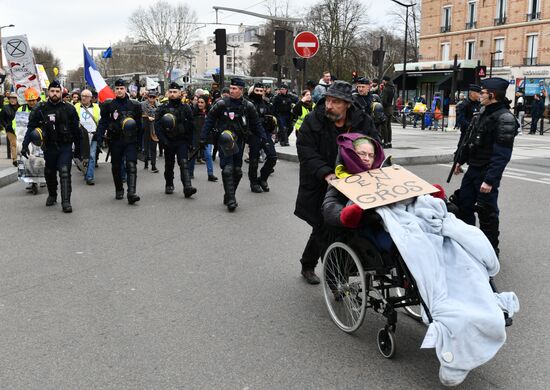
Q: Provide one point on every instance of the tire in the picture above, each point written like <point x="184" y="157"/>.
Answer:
<point x="413" y="311"/>
<point x="344" y="287"/>
<point x="386" y="343"/>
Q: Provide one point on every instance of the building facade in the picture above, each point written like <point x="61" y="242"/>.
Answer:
<point x="510" y="37"/>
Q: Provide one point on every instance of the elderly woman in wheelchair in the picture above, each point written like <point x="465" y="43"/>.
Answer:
<point x="417" y="256"/>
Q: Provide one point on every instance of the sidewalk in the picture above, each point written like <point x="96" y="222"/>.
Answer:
<point x="8" y="173"/>
<point x="410" y="146"/>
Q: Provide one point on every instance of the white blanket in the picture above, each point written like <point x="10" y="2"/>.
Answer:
<point x="451" y="262"/>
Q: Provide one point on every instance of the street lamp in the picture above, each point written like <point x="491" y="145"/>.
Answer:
<point x="1" y="27"/>
<point x="407" y="6"/>
<point x="234" y="47"/>
<point x="491" y="68"/>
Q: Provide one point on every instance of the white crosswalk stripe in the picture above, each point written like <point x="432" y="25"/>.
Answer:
<point x="522" y="174"/>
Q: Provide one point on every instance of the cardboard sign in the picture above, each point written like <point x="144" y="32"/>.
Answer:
<point x="380" y="187"/>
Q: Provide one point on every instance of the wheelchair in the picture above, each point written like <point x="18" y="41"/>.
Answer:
<point x="357" y="276"/>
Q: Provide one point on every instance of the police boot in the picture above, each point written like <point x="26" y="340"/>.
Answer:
<point x="132" y="178"/>
<point x="489" y="223"/>
<point x="66" y="189"/>
<point x="188" y="188"/>
<point x="253" y="176"/>
<point x="266" y="170"/>
<point x="51" y="183"/>
<point x="117" y="179"/>
<point x="229" y="188"/>
<point x="169" y="178"/>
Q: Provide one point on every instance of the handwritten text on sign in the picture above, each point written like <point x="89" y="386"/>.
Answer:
<point x="379" y="187"/>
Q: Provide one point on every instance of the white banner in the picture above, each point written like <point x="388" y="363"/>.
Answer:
<point x="21" y="64"/>
<point x="42" y="75"/>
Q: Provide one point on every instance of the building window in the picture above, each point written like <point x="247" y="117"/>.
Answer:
<point x="533" y="13"/>
<point x="501" y="12"/>
<point x="445" y="51"/>
<point x="532" y="48"/>
<point x="498" y="59"/>
<point x="446" y="19"/>
<point x="470" y="49"/>
<point x="472" y="15"/>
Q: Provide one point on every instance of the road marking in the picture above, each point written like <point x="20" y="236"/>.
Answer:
<point x="525" y="178"/>
<point x="519" y="176"/>
<point x="528" y="171"/>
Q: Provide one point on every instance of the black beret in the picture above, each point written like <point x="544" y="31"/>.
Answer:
<point x="495" y="84"/>
<point x="474" y="87"/>
<point x="238" y="82"/>
<point x="120" y="83"/>
<point x="258" y="85"/>
<point x="283" y="86"/>
<point x="362" y="80"/>
<point x="174" y="85"/>
<point x="54" y="84"/>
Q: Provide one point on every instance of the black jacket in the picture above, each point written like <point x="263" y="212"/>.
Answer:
<point x="317" y="152"/>
<point x="184" y="122"/>
<point x="6" y="117"/>
<point x="113" y="114"/>
<point x="386" y="98"/>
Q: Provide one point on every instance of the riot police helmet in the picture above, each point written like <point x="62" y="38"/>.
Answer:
<point x="168" y="121"/>
<point x="37" y="137"/>
<point x="376" y="98"/>
<point x="129" y="125"/>
<point x="228" y="143"/>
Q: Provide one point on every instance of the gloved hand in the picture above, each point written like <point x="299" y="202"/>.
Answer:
<point x="351" y="215"/>
<point x="77" y="155"/>
<point x="25" y="151"/>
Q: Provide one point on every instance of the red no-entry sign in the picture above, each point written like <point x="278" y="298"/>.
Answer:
<point x="306" y="44"/>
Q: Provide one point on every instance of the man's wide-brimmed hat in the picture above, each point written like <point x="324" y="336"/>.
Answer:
<point x="340" y="90"/>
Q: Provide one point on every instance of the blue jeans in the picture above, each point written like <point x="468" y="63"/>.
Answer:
<point x="207" y="157"/>
<point x="91" y="161"/>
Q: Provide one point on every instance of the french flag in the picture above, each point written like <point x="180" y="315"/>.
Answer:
<point x="94" y="78"/>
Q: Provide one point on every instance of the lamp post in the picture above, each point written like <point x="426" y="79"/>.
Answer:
<point x="491" y="67"/>
<point x="404" y="75"/>
<point x="234" y="47"/>
<point x="1" y="27"/>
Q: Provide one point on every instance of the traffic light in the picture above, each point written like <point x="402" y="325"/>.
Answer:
<point x="299" y="63"/>
<point x="220" y="39"/>
<point x="275" y="67"/>
<point x="280" y="42"/>
<point x="216" y="78"/>
<point x="378" y="57"/>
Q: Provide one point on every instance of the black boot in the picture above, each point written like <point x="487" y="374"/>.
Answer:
<point x="51" y="183"/>
<point x="229" y="188"/>
<point x="188" y="188"/>
<point x="117" y="179"/>
<point x="154" y="168"/>
<point x="266" y="170"/>
<point x="169" y="176"/>
<point x="253" y="176"/>
<point x="132" y="178"/>
<point x="66" y="189"/>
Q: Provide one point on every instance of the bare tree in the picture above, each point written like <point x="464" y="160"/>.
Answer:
<point x="413" y="31"/>
<point x="45" y="56"/>
<point x="339" y="25"/>
<point x="130" y="57"/>
<point x="167" y="28"/>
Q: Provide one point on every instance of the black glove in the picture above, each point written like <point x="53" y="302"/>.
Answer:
<point x="25" y="151"/>
<point x="77" y="155"/>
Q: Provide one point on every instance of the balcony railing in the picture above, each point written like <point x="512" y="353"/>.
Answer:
<point x="470" y="25"/>
<point x="533" y="16"/>
<point x="445" y="29"/>
<point x="498" y="63"/>
<point x="530" y="61"/>
<point x="500" y="21"/>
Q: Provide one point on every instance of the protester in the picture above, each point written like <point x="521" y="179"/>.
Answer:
<point x="7" y="116"/>
<point x="322" y="87"/>
<point x="301" y="109"/>
<point x="200" y="111"/>
<point x="89" y="115"/>
<point x="150" y="139"/>
<point x="388" y="93"/>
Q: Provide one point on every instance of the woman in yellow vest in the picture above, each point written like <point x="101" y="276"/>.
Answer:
<point x="88" y="113"/>
<point x="302" y="108"/>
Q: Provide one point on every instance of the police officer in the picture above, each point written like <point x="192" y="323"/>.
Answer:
<point x="174" y="127"/>
<point x="58" y="122"/>
<point x="256" y="144"/>
<point x="236" y="119"/>
<point x="282" y="106"/>
<point x="466" y="110"/>
<point x="121" y="119"/>
<point x="488" y="150"/>
<point x="362" y="99"/>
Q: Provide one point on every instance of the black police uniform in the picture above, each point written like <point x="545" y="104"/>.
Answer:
<point x="174" y="126"/>
<point x="121" y="119"/>
<point x="238" y="116"/>
<point x="60" y="125"/>
<point x="257" y="144"/>
<point x="488" y="151"/>
<point x="363" y="102"/>
<point x="465" y="112"/>
<point x="282" y="107"/>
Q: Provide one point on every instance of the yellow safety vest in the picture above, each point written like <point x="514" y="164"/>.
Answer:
<point x="20" y="109"/>
<point x="301" y="118"/>
<point x="95" y="111"/>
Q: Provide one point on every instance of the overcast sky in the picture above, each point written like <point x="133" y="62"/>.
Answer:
<point x="64" y="25"/>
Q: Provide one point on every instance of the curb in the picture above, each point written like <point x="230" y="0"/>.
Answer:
<point x="8" y="176"/>
<point x="413" y="160"/>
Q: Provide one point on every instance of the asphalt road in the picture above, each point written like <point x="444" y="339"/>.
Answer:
<point x="178" y="293"/>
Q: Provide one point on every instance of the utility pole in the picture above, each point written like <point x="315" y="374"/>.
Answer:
<point x="381" y="59"/>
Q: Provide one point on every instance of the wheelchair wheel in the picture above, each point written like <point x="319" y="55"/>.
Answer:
<point x="344" y="287"/>
<point x="386" y="343"/>
<point x="412" y="311"/>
